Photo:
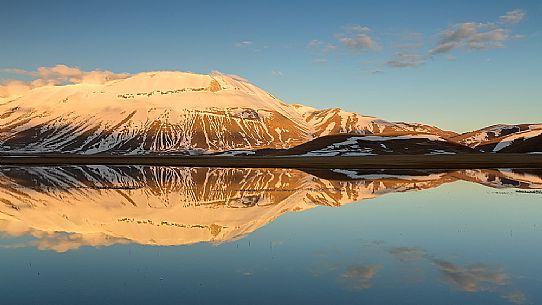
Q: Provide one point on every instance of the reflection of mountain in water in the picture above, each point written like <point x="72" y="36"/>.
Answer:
<point x="67" y="207"/>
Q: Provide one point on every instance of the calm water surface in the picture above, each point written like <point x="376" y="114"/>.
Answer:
<point x="165" y="235"/>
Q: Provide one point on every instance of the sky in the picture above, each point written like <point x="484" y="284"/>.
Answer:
<point x="459" y="65"/>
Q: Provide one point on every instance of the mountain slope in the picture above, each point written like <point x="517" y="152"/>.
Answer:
<point x="336" y="121"/>
<point x="492" y="133"/>
<point x="520" y="142"/>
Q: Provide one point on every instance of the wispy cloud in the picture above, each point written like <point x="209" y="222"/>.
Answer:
<point x="406" y="60"/>
<point x="354" y="37"/>
<point x="244" y="44"/>
<point x="277" y="73"/>
<point x="409" y="49"/>
<point x="320" y="61"/>
<point x="410" y="40"/>
<point x="470" y="35"/>
<point x="250" y="45"/>
<point x="359" y="42"/>
<point x="513" y="16"/>
<point x="478" y="36"/>
<point x="357" y="37"/>
<point x="315" y="43"/>
<point x="356" y="28"/>
<point x="56" y="75"/>
<point x="321" y="46"/>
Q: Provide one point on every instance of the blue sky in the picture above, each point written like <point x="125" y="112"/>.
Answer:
<point x="459" y="65"/>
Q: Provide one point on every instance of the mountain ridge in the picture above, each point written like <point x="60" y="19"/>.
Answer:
<point x="182" y="112"/>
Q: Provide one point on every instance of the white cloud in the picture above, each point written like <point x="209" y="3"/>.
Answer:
<point x="513" y="16"/>
<point x="12" y="88"/>
<point x="56" y="75"/>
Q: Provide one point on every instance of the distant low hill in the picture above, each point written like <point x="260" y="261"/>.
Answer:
<point x="366" y="145"/>
<point x="520" y="138"/>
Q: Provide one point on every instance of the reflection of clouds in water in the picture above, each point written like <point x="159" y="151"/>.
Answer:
<point x="516" y="297"/>
<point x="471" y="278"/>
<point x="245" y="272"/>
<point x="276" y="243"/>
<point x="63" y="242"/>
<point x="407" y="254"/>
<point x="323" y="268"/>
<point x="409" y="269"/>
<point x="360" y="276"/>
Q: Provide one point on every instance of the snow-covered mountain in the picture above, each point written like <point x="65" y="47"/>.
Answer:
<point x="336" y="121"/>
<point x="170" y="112"/>
<point x="150" y="112"/>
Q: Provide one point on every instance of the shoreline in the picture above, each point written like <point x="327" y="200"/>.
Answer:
<point x="458" y="161"/>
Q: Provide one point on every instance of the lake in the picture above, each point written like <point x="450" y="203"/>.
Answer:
<point x="180" y="235"/>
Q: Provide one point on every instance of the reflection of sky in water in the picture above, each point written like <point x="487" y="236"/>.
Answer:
<point x="460" y="243"/>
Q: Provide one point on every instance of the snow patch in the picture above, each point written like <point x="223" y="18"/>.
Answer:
<point x="237" y="153"/>
<point x="507" y="141"/>
<point x="440" y="152"/>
